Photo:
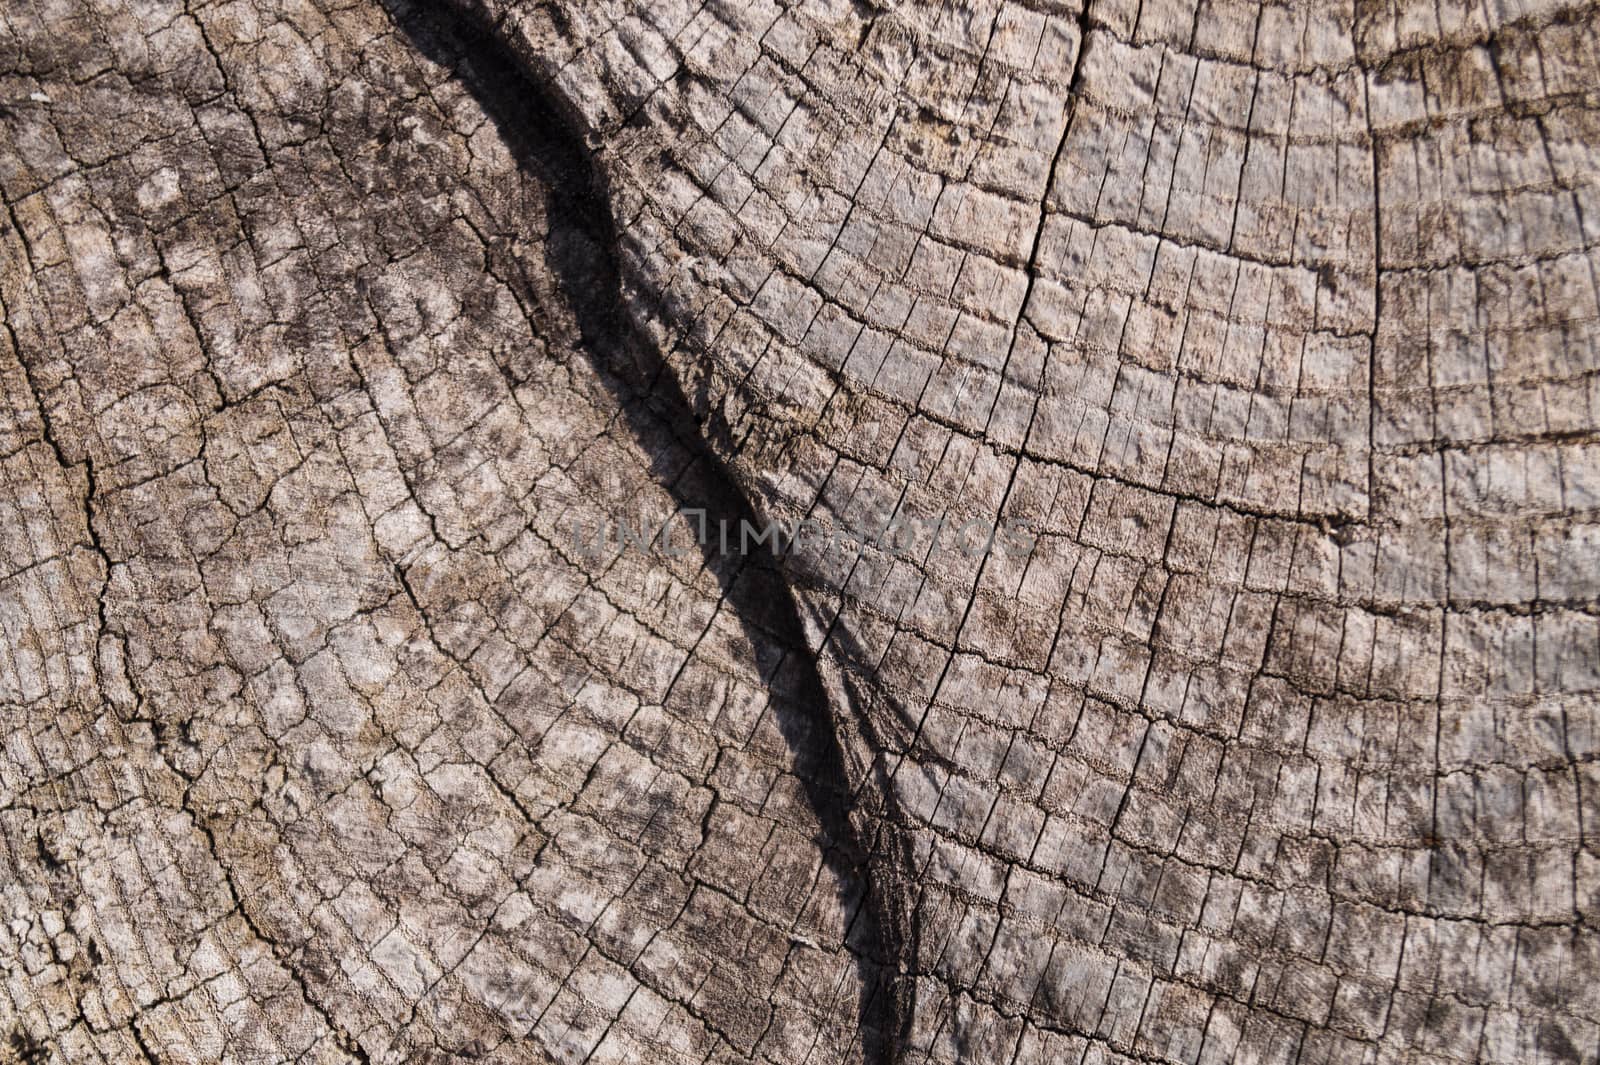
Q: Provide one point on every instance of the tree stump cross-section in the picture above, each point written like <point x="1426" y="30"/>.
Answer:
<point x="787" y="531"/>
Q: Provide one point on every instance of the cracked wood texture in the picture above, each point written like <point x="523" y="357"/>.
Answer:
<point x="324" y="323"/>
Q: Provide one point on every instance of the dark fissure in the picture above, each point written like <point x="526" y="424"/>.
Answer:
<point x="581" y="254"/>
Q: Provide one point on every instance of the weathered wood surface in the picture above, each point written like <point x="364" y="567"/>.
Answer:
<point x="326" y="324"/>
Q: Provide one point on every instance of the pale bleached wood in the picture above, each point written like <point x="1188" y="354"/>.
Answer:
<point x="326" y="325"/>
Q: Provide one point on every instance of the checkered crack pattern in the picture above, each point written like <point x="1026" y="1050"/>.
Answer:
<point x="326" y="323"/>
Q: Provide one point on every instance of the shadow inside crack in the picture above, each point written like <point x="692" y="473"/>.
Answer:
<point x="581" y="255"/>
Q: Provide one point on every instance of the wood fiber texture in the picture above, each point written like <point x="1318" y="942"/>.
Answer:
<point x="1265" y="338"/>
